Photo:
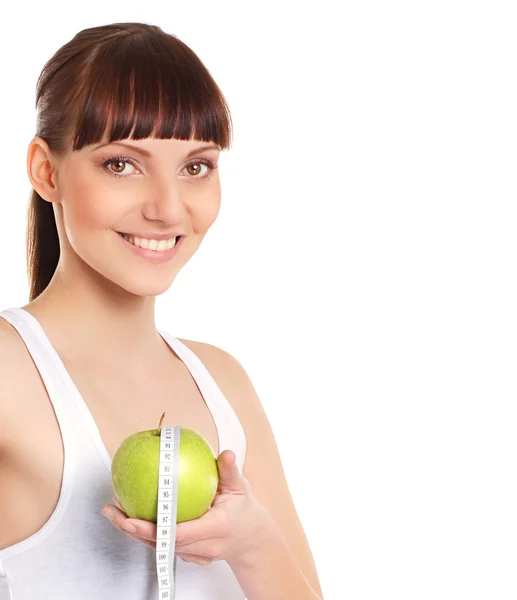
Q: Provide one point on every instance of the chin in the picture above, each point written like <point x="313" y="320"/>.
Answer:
<point x="147" y="292"/>
<point x="145" y="289"/>
<point x="140" y="285"/>
<point x="144" y="281"/>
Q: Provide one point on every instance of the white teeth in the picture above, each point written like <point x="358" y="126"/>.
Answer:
<point x="156" y="245"/>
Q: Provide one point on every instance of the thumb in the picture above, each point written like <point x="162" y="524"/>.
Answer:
<point x="230" y="478"/>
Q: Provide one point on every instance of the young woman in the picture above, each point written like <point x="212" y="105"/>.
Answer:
<point x="130" y="125"/>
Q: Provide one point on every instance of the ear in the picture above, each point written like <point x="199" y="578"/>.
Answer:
<point x="41" y="169"/>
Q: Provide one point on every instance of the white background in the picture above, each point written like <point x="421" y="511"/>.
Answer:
<point x="362" y="268"/>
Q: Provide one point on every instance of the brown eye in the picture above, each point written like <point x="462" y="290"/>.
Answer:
<point x="195" y="169"/>
<point x="117" y="165"/>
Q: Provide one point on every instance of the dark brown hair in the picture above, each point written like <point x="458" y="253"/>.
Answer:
<point x="120" y="80"/>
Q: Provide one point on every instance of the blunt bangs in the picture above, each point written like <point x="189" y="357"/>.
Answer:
<point x="136" y="87"/>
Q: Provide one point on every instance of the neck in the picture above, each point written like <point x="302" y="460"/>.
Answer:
<point x="98" y="320"/>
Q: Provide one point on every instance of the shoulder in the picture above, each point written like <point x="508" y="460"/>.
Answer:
<point x="7" y="333"/>
<point x="239" y="390"/>
<point x="228" y="373"/>
<point x="208" y="351"/>
<point x="236" y="385"/>
<point x="216" y="358"/>
<point x="12" y="350"/>
<point x="14" y="358"/>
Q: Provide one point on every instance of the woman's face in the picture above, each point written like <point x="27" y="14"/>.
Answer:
<point x="155" y="189"/>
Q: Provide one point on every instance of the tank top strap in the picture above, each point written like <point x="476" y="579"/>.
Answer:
<point x="42" y="354"/>
<point x="229" y="428"/>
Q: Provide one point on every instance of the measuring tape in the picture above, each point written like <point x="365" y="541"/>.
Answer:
<point x="167" y="508"/>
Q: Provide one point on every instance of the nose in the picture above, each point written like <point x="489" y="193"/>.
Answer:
<point x="165" y="202"/>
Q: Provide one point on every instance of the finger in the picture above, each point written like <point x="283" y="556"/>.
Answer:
<point x="229" y="476"/>
<point x="116" y="522"/>
<point x="231" y="480"/>
<point x="119" y="519"/>
<point x="198" y="550"/>
<point x="201" y="529"/>
<point x="195" y="558"/>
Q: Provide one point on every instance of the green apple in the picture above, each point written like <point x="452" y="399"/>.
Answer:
<point x="134" y="475"/>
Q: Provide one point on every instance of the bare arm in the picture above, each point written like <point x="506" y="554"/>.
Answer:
<point x="286" y="561"/>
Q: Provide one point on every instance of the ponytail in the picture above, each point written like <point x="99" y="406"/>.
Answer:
<point x="42" y="244"/>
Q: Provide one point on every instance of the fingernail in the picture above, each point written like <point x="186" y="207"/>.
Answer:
<point x="129" y="527"/>
<point x="107" y="513"/>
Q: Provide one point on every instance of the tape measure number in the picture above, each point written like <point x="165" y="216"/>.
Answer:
<point x="167" y="508"/>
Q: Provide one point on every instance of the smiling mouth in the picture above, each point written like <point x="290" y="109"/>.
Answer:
<point x="154" y="245"/>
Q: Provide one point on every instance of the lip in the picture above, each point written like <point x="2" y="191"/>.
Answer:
<point x="152" y="255"/>
<point x="153" y="236"/>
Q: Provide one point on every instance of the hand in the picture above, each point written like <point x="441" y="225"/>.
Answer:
<point x="234" y="526"/>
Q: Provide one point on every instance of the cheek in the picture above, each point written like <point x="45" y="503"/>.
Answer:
<point x="206" y="212"/>
<point x="87" y="208"/>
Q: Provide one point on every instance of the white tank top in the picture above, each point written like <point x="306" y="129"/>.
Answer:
<point x="78" y="553"/>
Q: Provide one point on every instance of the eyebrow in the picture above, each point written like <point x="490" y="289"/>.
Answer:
<point x="147" y="153"/>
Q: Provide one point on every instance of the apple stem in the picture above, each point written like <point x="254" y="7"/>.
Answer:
<point x="160" y="424"/>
